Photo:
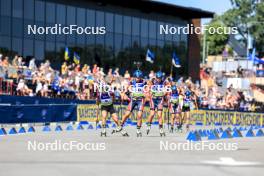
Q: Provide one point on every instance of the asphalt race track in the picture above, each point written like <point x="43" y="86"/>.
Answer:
<point x="116" y="155"/>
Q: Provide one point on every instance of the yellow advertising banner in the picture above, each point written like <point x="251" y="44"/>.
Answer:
<point x="207" y="117"/>
<point x="87" y="112"/>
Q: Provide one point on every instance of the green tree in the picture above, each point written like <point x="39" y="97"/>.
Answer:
<point x="247" y="16"/>
<point x="216" y="41"/>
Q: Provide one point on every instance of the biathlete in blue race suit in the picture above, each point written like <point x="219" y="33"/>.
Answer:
<point x="186" y="108"/>
<point x="105" y="99"/>
<point x="175" y="106"/>
<point x="157" y="95"/>
<point x="136" y="99"/>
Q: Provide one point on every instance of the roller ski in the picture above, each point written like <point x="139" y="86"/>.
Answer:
<point x="139" y="134"/>
<point x="120" y="130"/>
<point x="116" y="130"/>
<point x="148" y="129"/>
<point x="162" y="132"/>
<point x="103" y="133"/>
<point x="179" y="128"/>
<point x="124" y="133"/>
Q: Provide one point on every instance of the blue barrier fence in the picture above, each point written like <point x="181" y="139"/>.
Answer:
<point x="24" y="100"/>
<point x="17" y="109"/>
<point x="37" y="113"/>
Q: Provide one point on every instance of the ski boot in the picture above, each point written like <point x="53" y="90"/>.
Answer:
<point x="179" y="128"/>
<point x="187" y="128"/>
<point x="171" y="130"/>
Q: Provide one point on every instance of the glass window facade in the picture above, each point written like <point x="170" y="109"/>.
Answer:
<point x="127" y="38"/>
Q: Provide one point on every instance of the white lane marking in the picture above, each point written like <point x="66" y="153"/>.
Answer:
<point x="227" y="161"/>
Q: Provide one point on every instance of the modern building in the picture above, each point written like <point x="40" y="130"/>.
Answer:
<point x="131" y="27"/>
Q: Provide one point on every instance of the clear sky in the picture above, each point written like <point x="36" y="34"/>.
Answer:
<point x="217" y="6"/>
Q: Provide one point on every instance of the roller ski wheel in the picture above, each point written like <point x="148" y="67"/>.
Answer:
<point x="139" y="134"/>
<point x="103" y="134"/>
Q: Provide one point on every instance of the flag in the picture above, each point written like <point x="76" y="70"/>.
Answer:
<point x="258" y="61"/>
<point x="66" y="54"/>
<point x="175" y="61"/>
<point x="76" y="58"/>
<point x="150" y="56"/>
<point x="254" y="58"/>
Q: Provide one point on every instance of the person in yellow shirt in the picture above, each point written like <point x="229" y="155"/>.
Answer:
<point x="84" y="69"/>
<point x="64" y="68"/>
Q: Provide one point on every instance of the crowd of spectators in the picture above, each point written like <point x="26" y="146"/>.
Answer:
<point x="215" y="96"/>
<point x="77" y="82"/>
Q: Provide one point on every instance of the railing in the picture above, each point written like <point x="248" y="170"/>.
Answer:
<point x="6" y="87"/>
<point x="229" y="66"/>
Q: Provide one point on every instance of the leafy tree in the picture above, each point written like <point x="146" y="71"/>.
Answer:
<point x="216" y="41"/>
<point x="247" y="16"/>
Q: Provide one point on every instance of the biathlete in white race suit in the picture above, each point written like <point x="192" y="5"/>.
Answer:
<point x="175" y="106"/>
<point x="157" y="94"/>
<point x="136" y="100"/>
<point x="105" y="99"/>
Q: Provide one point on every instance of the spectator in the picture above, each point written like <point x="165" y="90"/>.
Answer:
<point x="5" y="62"/>
<point x="64" y="69"/>
<point x="39" y="88"/>
<point x="110" y="71"/>
<point x="15" y="61"/>
<point x="116" y="72"/>
<point x="85" y="69"/>
<point x="127" y="75"/>
<point x="101" y="72"/>
<point x="32" y="64"/>
<point x="20" y="62"/>
<point x="94" y="69"/>
<point x="151" y="74"/>
<point x="240" y="71"/>
<point x="23" y="89"/>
